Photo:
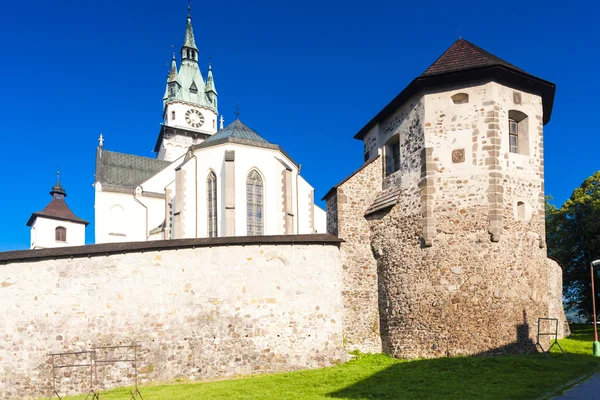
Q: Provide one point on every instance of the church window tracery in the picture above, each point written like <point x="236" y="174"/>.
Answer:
<point x="254" y="203"/>
<point x="211" y="198"/>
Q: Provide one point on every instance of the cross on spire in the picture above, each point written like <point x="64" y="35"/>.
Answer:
<point x="237" y="111"/>
<point x="189" y="9"/>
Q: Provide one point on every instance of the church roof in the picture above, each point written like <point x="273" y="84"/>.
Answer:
<point x="125" y="170"/>
<point x="57" y="208"/>
<point x="238" y="133"/>
<point x="461" y="63"/>
<point x="237" y="129"/>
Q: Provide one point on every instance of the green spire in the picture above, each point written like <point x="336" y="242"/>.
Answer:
<point x="210" y="82"/>
<point x="173" y="72"/>
<point x="189" y="41"/>
<point x="211" y="91"/>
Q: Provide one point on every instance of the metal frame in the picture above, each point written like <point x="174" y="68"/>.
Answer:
<point x="555" y="334"/>
<point x="91" y="365"/>
<point x="135" y="394"/>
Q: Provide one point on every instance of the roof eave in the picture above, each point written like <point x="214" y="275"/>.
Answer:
<point x="38" y="214"/>
<point x="499" y="73"/>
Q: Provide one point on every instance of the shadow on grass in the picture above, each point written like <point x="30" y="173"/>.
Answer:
<point x="509" y="376"/>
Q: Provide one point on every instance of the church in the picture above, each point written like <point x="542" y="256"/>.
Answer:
<point x="205" y="181"/>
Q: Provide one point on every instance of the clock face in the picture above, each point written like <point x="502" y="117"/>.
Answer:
<point x="194" y="118"/>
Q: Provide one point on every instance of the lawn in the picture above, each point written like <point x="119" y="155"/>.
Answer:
<point x="381" y="377"/>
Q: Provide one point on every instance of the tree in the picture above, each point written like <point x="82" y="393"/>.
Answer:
<point x="573" y="238"/>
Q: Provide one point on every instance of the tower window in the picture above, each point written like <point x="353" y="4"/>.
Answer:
<point x="518" y="132"/>
<point x="172" y="115"/>
<point x="60" y="234"/>
<point x="211" y="198"/>
<point x="392" y="155"/>
<point x="254" y="204"/>
<point x="513" y="134"/>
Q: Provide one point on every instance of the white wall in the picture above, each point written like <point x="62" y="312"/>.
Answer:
<point x="43" y="233"/>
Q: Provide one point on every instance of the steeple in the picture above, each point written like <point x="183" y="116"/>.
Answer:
<point x="189" y="51"/>
<point x="58" y="192"/>
<point x="211" y="90"/>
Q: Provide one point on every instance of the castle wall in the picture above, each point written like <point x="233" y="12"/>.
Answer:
<point x="346" y="207"/>
<point x="199" y="308"/>
<point x="461" y="270"/>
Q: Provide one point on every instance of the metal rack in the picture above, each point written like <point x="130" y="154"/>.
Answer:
<point x="92" y="362"/>
<point x="555" y="342"/>
<point x="90" y="365"/>
<point x="135" y="394"/>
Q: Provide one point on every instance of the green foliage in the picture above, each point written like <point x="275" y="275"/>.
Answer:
<point x="378" y="376"/>
<point x="573" y="238"/>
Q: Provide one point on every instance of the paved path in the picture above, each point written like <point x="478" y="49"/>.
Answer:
<point x="588" y="390"/>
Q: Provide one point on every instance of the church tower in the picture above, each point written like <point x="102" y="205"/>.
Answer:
<point x="189" y="104"/>
<point x="56" y="225"/>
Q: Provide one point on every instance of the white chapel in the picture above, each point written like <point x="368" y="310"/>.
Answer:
<point x="204" y="182"/>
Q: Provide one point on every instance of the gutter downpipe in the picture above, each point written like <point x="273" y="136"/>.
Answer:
<point x="146" y="208"/>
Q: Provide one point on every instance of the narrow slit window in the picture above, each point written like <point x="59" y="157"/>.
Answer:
<point x="513" y="134"/>
<point x="211" y="192"/>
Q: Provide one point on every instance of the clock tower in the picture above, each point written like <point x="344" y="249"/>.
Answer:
<point x="189" y="104"/>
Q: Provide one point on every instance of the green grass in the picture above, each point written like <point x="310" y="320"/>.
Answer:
<point x="381" y="377"/>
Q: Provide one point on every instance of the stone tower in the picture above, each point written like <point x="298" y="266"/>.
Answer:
<point x="444" y="223"/>
<point x="56" y="225"/>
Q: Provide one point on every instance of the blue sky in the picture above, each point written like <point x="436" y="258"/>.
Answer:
<point x="307" y="75"/>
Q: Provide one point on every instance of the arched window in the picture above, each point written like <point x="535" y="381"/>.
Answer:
<point x="60" y="234"/>
<point x="172" y="115"/>
<point x="254" y="203"/>
<point x="211" y="200"/>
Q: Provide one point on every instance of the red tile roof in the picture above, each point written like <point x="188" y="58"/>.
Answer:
<point x="464" y="55"/>
<point x="57" y="209"/>
<point x="463" y="63"/>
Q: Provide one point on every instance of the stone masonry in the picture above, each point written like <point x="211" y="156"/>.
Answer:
<point x="460" y="253"/>
<point x="203" y="311"/>
<point x="359" y="279"/>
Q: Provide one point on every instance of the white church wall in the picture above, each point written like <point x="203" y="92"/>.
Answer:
<point x="320" y="220"/>
<point x="246" y="159"/>
<point x="304" y="209"/>
<point x="43" y="233"/>
<point x="119" y="218"/>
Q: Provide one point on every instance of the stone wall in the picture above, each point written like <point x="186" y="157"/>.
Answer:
<point x="346" y="207"/>
<point x="199" y="308"/>
<point x="461" y="269"/>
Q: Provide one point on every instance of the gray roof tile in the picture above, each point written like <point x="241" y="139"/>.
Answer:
<point x="237" y="129"/>
<point x="126" y="170"/>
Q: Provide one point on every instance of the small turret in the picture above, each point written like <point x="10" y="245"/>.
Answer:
<point x="56" y="225"/>
<point x="211" y="90"/>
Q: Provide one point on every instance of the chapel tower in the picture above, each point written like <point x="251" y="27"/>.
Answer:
<point x="189" y="103"/>
<point x="56" y="225"/>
